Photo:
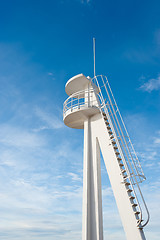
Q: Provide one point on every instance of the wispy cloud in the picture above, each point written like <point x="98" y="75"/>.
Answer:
<point x="18" y="137"/>
<point x="85" y="1"/>
<point x="151" y="85"/>
<point x="146" y="142"/>
<point x="30" y="210"/>
<point x="51" y="75"/>
<point x="157" y="139"/>
<point x="50" y="121"/>
<point x="74" y="176"/>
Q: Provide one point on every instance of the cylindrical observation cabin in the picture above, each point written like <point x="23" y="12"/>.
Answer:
<point x="82" y="102"/>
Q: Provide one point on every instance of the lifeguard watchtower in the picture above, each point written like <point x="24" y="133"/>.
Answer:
<point x="92" y="106"/>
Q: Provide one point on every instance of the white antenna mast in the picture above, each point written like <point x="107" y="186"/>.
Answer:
<point x="94" y="56"/>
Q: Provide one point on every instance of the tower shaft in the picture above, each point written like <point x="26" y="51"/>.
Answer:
<point x="92" y="223"/>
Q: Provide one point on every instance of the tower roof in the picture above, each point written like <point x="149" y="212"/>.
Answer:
<point x="76" y="84"/>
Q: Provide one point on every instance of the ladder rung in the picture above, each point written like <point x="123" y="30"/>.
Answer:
<point x="113" y="142"/>
<point x="131" y="197"/>
<point x="110" y="132"/>
<point x="121" y="164"/>
<point x="126" y="183"/>
<point x="123" y="170"/>
<point x="103" y="113"/>
<point x="108" y="128"/>
<point x="137" y="212"/>
<point x="125" y="176"/>
<point x="119" y="159"/>
<point x="134" y="205"/>
<point x="115" y="147"/>
<point x="107" y="123"/>
<point x="129" y="190"/>
<point x="117" y="153"/>
<point x="111" y="137"/>
<point x="140" y="227"/>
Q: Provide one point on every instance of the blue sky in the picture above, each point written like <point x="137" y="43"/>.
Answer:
<point x="42" y="45"/>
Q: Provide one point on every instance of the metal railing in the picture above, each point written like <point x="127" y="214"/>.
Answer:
<point x="130" y="160"/>
<point x="80" y="100"/>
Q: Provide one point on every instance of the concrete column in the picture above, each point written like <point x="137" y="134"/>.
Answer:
<point x="92" y="227"/>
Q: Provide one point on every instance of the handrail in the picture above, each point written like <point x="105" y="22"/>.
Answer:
<point x="120" y="149"/>
<point x="124" y="125"/>
<point x="124" y="146"/>
<point x="78" y="99"/>
<point x="129" y="157"/>
<point x="123" y="139"/>
<point x="113" y="113"/>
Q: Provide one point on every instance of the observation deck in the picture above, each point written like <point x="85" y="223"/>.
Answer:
<point x="81" y="103"/>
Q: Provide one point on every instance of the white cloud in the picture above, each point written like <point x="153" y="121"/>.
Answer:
<point x="157" y="141"/>
<point x="50" y="74"/>
<point x="50" y="120"/>
<point x="19" y="137"/>
<point x="85" y="1"/>
<point x="26" y="207"/>
<point x="74" y="176"/>
<point x="145" y="138"/>
<point x="151" y="84"/>
<point x="107" y="192"/>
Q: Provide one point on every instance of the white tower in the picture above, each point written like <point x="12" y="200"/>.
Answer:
<point x="91" y="105"/>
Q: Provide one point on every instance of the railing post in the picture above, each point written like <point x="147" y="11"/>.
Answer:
<point x="88" y="96"/>
<point x="78" y="103"/>
<point x="71" y="104"/>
